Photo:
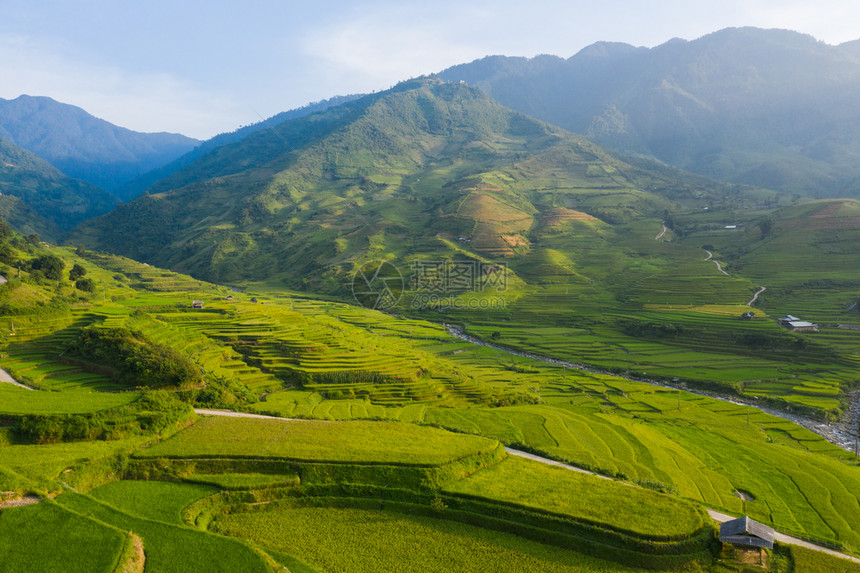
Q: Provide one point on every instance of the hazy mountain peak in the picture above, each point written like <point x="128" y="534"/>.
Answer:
<point x="606" y="49"/>
<point x="84" y="146"/>
<point x="773" y="108"/>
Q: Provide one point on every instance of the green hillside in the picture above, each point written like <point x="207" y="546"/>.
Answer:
<point x="55" y="197"/>
<point x="519" y="232"/>
<point x="399" y="174"/>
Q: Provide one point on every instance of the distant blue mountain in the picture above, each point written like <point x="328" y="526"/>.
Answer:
<point x="83" y="146"/>
<point x="770" y="108"/>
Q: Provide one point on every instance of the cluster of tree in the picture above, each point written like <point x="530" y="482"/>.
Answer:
<point x="44" y="266"/>
<point x="134" y="360"/>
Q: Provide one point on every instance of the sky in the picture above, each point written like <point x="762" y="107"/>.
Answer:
<point x="205" y="67"/>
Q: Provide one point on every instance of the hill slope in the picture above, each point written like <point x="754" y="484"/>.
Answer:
<point x="402" y="174"/>
<point x="51" y="194"/>
<point x="139" y="184"/>
<point x="770" y="108"/>
<point x="83" y="146"/>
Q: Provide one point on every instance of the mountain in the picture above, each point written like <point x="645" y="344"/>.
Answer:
<point x="50" y="193"/>
<point x="83" y="146"/>
<point x="426" y="169"/>
<point x="770" y="108"/>
<point x="25" y="220"/>
<point x="137" y="185"/>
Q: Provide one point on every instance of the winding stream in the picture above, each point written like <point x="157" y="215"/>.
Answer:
<point x="842" y="433"/>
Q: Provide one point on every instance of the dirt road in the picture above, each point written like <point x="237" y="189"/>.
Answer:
<point x="755" y="296"/>
<point x="6" y="377"/>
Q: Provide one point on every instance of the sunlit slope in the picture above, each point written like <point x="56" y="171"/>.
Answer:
<point x="396" y="175"/>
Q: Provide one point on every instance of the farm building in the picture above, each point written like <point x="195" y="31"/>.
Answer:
<point x="197" y="304"/>
<point x="749" y="539"/>
<point x="796" y="325"/>
<point x="802" y="326"/>
<point x="229" y="297"/>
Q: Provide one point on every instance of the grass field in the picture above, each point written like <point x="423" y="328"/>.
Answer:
<point x="14" y="400"/>
<point x="41" y="464"/>
<point x="171" y="548"/>
<point x="50" y="539"/>
<point x="243" y="481"/>
<point x="704" y="451"/>
<point x="360" y="442"/>
<point x="583" y="497"/>
<point x="353" y="540"/>
<point x="157" y="501"/>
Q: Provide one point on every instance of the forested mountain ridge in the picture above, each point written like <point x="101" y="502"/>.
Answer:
<point x="83" y="146"/>
<point x="45" y="199"/>
<point x="770" y="108"/>
<point x="395" y="174"/>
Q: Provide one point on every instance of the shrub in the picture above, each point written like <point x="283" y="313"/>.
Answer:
<point x="77" y="272"/>
<point x="50" y="265"/>
<point x="86" y="285"/>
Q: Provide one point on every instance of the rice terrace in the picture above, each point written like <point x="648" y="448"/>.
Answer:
<point x="417" y="330"/>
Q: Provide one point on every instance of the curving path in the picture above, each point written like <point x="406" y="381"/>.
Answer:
<point x="21" y="501"/>
<point x="6" y="377"/>
<point x="719" y="266"/>
<point x="661" y="233"/>
<point x="232" y="414"/>
<point x="755" y="296"/>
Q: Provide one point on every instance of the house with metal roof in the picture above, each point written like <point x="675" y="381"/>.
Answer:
<point x="745" y="531"/>
<point x="749" y="539"/>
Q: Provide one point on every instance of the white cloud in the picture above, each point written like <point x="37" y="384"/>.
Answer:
<point x="140" y="101"/>
<point x="394" y="43"/>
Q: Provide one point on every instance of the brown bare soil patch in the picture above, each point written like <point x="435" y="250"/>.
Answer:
<point x="515" y="240"/>
<point x="559" y="215"/>
<point x="485" y="208"/>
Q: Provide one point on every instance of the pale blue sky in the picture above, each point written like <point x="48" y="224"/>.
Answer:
<point x="203" y="67"/>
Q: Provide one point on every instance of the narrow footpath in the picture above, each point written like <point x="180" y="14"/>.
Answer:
<point x="719" y="266"/>
<point x="755" y="296"/>
<point x="7" y="378"/>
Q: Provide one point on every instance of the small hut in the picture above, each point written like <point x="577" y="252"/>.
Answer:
<point x="749" y="539"/>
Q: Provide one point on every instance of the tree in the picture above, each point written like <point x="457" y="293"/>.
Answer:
<point x="765" y="226"/>
<point x="77" y="272"/>
<point x="51" y="266"/>
<point x="86" y="285"/>
<point x="7" y="254"/>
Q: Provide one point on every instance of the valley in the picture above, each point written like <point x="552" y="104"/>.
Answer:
<point x="418" y="330"/>
<point x="295" y="356"/>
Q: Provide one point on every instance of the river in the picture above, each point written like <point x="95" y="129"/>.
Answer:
<point x="842" y="433"/>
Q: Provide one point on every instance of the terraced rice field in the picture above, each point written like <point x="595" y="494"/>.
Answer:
<point x="381" y="541"/>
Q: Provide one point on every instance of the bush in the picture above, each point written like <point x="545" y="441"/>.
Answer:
<point x="50" y="265"/>
<point x="86" y="285"/>
<point x="77" y="272"/>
